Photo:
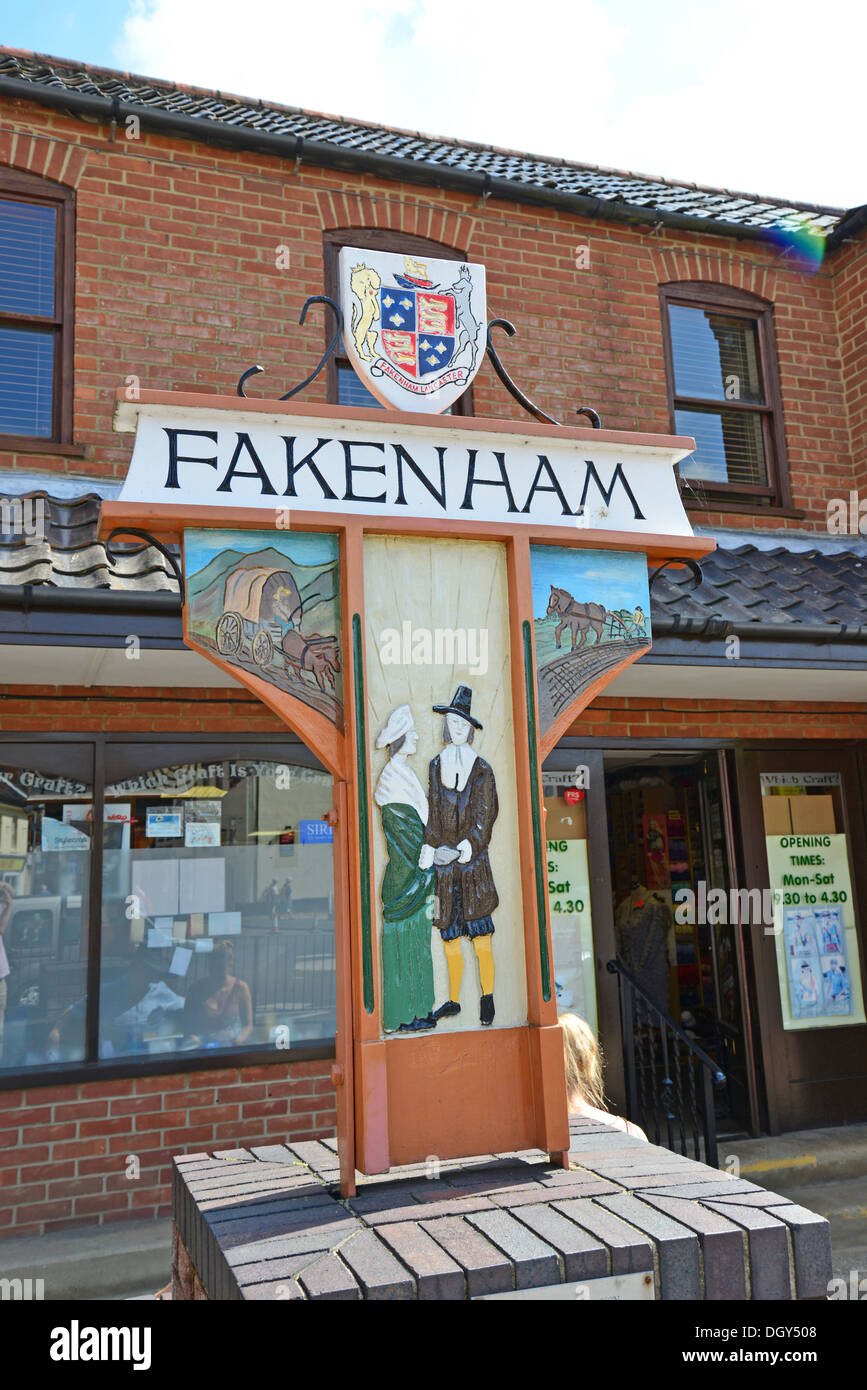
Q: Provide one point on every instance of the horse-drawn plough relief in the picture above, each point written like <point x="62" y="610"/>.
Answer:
<point x="270" y="605"/>
<point x="590" y="614"/>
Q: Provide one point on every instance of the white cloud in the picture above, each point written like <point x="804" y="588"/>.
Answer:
<point x="752" y="94"/>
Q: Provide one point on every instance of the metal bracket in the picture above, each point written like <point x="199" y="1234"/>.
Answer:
<point x="149" y="540"/>
<point x="690" y="564"/>
<point x="516" y="391"/>
<point x="329" y="351"/>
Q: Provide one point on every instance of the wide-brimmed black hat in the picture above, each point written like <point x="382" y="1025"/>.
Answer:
<point x="461" y="701"/>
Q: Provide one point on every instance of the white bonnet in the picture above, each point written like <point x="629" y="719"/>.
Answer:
<point x="399" y="723"/>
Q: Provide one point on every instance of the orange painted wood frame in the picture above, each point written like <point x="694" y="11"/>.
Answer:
<point x="454" y="1094"/>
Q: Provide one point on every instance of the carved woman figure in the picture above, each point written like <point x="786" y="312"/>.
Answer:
<point x="462" y="796"/>
<point x="407" y="890"/>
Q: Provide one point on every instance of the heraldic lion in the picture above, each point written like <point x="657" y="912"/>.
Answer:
<point x="365" y="283"/>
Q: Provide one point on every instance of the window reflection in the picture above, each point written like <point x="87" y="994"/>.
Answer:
<point x="218" y="913"/>
<point x="45" y="844"/>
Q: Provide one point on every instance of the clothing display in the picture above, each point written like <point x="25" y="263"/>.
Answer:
<point x="643" y="925"/>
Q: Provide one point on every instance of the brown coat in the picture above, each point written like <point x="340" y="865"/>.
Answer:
<point x="468" y="815"/>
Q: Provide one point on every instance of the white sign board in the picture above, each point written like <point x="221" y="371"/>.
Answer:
<point x="242" y="459"/>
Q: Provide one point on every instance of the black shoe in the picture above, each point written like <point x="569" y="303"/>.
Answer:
<point x="446" y="1010"/>
<point x="486" y="1009"/>
<point x="419" y="1025"/>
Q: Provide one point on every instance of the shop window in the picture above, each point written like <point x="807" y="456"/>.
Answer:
<point x="723" y="390"/>
<point x="36" y="302"/>
<point x="815" y="926"/>
<point x="218" y="905"/>
<point x="210" y="922"/>
<point x="344" y="385"/>
<point x="46" y="837"/>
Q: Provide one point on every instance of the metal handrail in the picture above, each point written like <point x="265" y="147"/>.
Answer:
<point x="672" y="1089"/>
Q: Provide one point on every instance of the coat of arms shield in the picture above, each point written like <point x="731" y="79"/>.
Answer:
<point x="414" y="330"/>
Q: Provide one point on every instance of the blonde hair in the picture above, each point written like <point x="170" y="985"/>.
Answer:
<point x="583" y="1061"/>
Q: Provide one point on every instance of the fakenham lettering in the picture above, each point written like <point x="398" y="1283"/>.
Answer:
<point x="373" y="473"/>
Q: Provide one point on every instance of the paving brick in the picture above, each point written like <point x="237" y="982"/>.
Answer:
<point x="768" y="1246"/>
<point x="457" y="1206"/>
<point x="378" y="1272"/>
<point x="536" y="1264"/>
<point x="664" y="1187"/>
<point x="329" y="1278"/>
<point x="315" y="1155"/>
<point x="436" y="1274"/>
<point x="234" y="1156"/>
<point x="310" y="1242"/>
<point x="529" y="1196"/>
<point x="677" y="1248"/>
<point x="486" y="1268"/>
<point x="722" y="1245"/>
<point x="628" y="1251"/>
<point x="247" y="1231"/>
<point x="283" y="1290"/>
<point x="811" y="1244"/>
<point x="583" y="1256"/>
<point x="273" y="1153"/>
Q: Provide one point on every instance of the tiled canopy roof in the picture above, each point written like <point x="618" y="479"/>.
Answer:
<point x="742" y="585"/>
<point x="748" y="585"/>
<point x="660" y="197"/>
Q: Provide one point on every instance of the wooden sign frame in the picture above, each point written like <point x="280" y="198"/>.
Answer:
<point x="512" y="1092"/>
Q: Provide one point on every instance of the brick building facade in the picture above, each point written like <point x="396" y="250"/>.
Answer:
<point x="191" y="253"/>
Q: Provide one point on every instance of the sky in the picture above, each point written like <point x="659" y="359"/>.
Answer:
<point x="758" y="96"/>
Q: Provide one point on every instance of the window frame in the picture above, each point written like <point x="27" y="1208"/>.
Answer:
<point x="19" y="187"/>
<point x="159" y="1064"/>
<point x="378" y="239"/>
<point x="736" y="303"/>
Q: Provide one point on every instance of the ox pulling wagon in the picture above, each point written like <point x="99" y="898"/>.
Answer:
<point x="262" y="611"/>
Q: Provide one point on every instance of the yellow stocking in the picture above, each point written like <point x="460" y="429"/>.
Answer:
<point x="485" y="955"/>
<point x="455" y="965"/>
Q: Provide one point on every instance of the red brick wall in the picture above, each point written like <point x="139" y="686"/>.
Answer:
<point x="850" y="286"/>
<point x="177" y="285"/>
<point x="637" y="717"/>
<point x="64" y="1150"/>
<point x="73" y="709"/>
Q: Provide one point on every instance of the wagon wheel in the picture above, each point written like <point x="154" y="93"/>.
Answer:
<point x="230" y="630"/>
<point x="263" y="648"/>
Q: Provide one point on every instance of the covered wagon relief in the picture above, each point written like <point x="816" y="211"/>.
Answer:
<point x="269" y="605"/>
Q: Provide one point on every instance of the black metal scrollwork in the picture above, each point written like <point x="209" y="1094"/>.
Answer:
<point x="338" y="313"/>
<point x="516" y="391"/>
<point x="691" y="565"/>
<point x="507" y="381"/>
<point x="149" y="540"/>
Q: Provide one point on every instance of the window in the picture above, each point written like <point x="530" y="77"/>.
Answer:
<point x="211" y="883"/>
<point x="36" y="300"/>
<point x="344" y="385"/>
<point x="724" y="391"/>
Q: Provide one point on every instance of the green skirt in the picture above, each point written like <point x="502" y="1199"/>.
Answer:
<point x="407" y="910"/>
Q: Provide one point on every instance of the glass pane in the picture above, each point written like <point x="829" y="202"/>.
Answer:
<point x="715" y="355"/>
<point x="730" y="446"/>
<point x="218" y="908"/>
<point x="569" y="893"/>
<point x="815" y="927"/>
<point x="45" y="837"/>
<point x="26" y="381"/>
<point x="27" y="238"/>
<point x="351" y="390"/>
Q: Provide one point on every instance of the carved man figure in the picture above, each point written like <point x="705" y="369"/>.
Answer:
<point x="462" y="801"/>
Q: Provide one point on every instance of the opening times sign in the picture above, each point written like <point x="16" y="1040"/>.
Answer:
<point x="815" y="934"/>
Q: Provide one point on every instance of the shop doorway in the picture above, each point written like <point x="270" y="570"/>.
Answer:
<point x="670" y="844"/>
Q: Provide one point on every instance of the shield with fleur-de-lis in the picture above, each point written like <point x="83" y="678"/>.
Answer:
<point x="414" y="330"/>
